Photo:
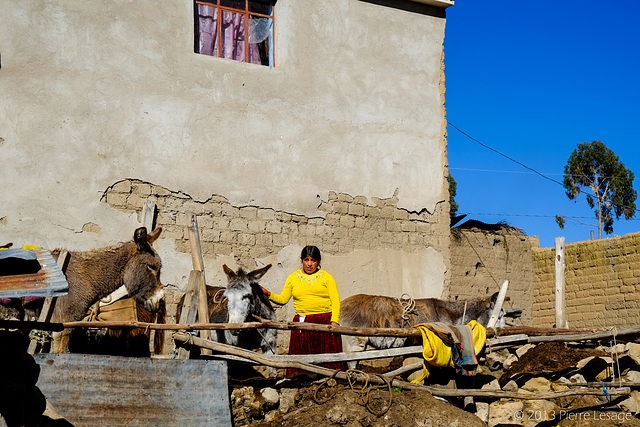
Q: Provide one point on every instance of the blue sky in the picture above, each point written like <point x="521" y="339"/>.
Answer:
<point x="532" y="80"/>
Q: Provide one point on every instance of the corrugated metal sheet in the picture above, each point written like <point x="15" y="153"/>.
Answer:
<point x="92" y="390"/>
<point x="49" y="281"/>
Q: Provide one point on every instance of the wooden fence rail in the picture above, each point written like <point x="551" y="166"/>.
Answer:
<point x="279" y="362"/>
<point x="521" y="334"/>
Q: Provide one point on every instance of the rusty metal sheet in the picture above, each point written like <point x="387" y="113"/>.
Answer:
<point x="49" y="281"/>
<point x="91" y="390"/>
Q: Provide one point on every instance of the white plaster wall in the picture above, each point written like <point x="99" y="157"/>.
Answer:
<point x="95" y="92"/>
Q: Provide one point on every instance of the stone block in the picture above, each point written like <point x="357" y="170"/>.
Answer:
<point x="341" y="208"/>
<point x="344" y="197"/>
<point x="248" y="212"/>
<point x="357" y="210"/>
<point x="347" y="221"/>
<point x="141" y="189"/>
<point x="121" y="187"/>
<point x="238" y="224"/>
<point x="256" y="226"/>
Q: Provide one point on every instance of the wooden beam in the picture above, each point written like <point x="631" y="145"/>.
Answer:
<point x="277" y="362"/>
<point x="49" y="302"/>
<point x="497" y="308"/>
<point x="198" y="265"/>
<point x="188" y="311"/>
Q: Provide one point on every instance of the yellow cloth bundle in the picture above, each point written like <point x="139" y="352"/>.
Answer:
<point x="437" y="353"/>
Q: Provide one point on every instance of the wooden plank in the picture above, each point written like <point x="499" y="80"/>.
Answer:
<point x="118" y="391"/>
<point x="261" y="359"/>
<point x="188" y="312"/>
<point x="497" y="308"/>
<point x="148" y="214"/>
<point x="198" y="264"/>
<point x="49" y="302"/>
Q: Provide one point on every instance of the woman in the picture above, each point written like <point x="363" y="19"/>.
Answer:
<point x="315" y="300"/>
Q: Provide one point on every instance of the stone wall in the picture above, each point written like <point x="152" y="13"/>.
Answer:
<point x="482" y="260"/>
<point x="602" y="279"/>
<point x="346" y="228"/>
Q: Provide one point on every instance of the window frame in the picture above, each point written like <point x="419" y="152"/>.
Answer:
<point x="246" y="13"/>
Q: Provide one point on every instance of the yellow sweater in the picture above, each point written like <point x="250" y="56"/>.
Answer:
<point x="312" y="294"/>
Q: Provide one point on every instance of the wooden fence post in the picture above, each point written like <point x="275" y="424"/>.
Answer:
<point x="561" y="315"/>
<point x="198" y="265"/>
<point x="49" y="303"/>
<point x="188" y="312"/>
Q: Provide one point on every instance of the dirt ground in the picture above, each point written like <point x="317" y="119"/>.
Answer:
<point x="548" y="358"/>
<point x="337" y="404"/>
<point x="340" y="405"/>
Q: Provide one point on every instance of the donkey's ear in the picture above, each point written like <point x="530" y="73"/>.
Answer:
<point x="229" y="272"/>
<point x="257" y="274"/>
<point x="153" y="236"/>
<point x="140" y="238"/>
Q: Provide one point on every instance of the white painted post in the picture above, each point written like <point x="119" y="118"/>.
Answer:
<point x="497" y="308"/>
<point x="148" y="214"/>
<point x="561" y="315"/>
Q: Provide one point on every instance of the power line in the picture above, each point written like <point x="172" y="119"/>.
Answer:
<point x="504" y="155"/>
<point x="534" y="215"/>
<point x="517" y="162"/>
<point x="498" y="171"/>
<point x="518" y="172"/>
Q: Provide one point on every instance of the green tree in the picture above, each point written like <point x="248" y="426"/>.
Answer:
<point x="595" y="167"/>
<point x="453" y="186"/>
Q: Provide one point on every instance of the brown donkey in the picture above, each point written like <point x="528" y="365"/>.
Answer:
<point x="94" y="274"/>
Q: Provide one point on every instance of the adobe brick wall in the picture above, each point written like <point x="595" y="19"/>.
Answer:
<point x="344" y="223"/>
<point x="602" y="280"/>
<point x="481" y="261"/>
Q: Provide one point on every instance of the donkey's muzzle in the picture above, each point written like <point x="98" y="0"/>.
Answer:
<point x="153" y="304"/>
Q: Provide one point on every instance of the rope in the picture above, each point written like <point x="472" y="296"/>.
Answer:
<point x="325" y="382"/>
<point x="263" y="338"/>
<point x="363" y="391"/>
<point x="217" y="295"/>
<point x="40" y="336"/>
<point x="408" y="305"/>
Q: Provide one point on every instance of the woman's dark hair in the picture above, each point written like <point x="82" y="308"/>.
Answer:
<point x="311" y="251"/>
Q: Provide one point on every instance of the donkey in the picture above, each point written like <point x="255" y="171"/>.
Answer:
<point x="94" y="274"/>
<point x="238" y="303"/>
<point x="244" y="300"/>
<point x="377" y="311"/>
<point x="132" y="342"/>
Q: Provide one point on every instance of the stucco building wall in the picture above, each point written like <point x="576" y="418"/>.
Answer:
<point x="97" y="94"/>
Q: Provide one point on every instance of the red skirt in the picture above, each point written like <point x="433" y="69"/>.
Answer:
<point x="315" y="342"/>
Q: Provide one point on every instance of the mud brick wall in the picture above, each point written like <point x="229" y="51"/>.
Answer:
<point x="345" y="223"/>
<point x="602" y="283"/>
<point x="481" y="261"/>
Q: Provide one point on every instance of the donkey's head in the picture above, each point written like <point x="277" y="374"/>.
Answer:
<point x="244" y="297"/>
<point x="142" y="270"/>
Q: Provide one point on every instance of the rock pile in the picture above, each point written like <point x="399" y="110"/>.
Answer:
<point x="552" y="367"/>
<point x="531" y="369"/>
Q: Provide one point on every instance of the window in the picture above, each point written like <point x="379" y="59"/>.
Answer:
<point x="245" y="33"/>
